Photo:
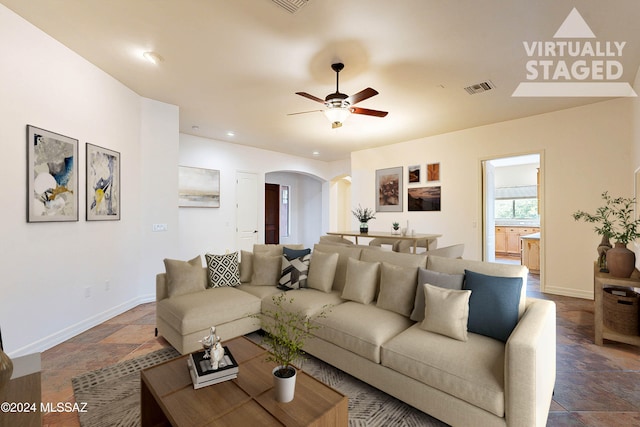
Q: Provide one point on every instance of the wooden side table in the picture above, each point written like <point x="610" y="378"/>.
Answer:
<point x="23" y="390"/>
<point x="600" y="281"/>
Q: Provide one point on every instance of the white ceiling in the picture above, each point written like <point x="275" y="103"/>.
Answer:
<point x="235" y="65"/>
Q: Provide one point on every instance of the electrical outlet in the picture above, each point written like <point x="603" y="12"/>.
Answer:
<point x="107" y="285"/>
<point x="159" y="227"/>
<point x="87" y="292"/>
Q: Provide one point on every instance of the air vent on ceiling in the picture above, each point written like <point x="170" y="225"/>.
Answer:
<point x="480" y="87"/>
<point x="291" y="6"/>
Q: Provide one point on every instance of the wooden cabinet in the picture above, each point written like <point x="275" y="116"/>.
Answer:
<point x="508" y="239"/>
<point x="531" y="253"/>
<point x="600" y="281"/>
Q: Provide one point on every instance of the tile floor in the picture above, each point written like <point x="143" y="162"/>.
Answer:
<point x="595" y="386"/>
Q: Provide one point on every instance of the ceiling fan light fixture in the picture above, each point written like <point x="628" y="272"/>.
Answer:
<point x="337" y="116"/>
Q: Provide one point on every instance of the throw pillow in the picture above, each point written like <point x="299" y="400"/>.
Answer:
<point x="446" y="311"/>
<point x="361" y="281"/>
<point x="294" y="271"/>
<point x="295" y="253"/>
<point x="397" y="288"/>
<point x="443" y="280"/>
<point x="322" y="270"/>
<point x="493" y="305"/>
<point x="185" y="277"/>
<point x="266" y="269"/>
<point x="246" y="266"/>
<point x="223" y="270"/>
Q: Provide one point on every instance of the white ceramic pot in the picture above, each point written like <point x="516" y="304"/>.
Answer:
<point x="285" y="388"/>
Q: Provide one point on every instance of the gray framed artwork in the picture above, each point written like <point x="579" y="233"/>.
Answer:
<point x="389" y="190"/>
<point x="52" y="176"/>
<point x="198" y="187"/>
<point x="103" y="184"/>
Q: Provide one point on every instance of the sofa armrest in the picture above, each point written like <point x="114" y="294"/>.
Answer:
<point x="530" y="365"/>
<point x="161" y="287"/>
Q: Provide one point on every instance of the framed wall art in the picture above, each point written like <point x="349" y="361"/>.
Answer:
<point x="103" y="184"/>
<point x="433" y="172"/>
<point x="414" y="174"/>
<point x="423" y="198"/>
<point x="389" y="190"/>
<point x="52" y="176"/>
<point x="198" y="188"/>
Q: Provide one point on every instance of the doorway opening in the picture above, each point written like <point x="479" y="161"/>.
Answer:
<point x="512" y="211"/>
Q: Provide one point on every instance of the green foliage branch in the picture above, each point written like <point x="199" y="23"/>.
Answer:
<point x="614" y="220"/>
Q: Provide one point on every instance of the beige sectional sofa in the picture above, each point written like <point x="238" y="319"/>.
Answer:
<point x="480" y="381"/>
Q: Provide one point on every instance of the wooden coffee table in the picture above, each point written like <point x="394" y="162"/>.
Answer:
<point x="169" y="399"/>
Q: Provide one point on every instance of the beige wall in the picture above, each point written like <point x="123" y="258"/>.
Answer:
<point x="586" y="151"/>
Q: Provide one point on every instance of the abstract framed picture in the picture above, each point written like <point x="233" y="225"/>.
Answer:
<point x="52" y="176"/>
<point x="433" y="172"/>
<point x="198" y="188"/>
<point x="414" y="174"/>
<point x="389" y="190"/>
<point x="103" y="184"/>
<point x="423" y="199"/>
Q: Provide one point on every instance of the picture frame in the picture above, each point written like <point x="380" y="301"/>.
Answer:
<point x="52" y="176"/>
<point x="389" y="189"/>
<point x="424" y="199"/>
<point x="198" y="187"/>
<point x="433" y="172"/>
<point x="414" y="174"/>
<point x="103" y="184"/>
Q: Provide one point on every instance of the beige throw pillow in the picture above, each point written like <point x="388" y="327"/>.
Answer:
<point x="397" y="288"/>
<point x="266" y="269"/>
<point x="361" y="281"/>
<point x="322" y="270"/>
<point x="246" y="266"/>
<point x="185" y="277"/>
<point x="446" y="311"/>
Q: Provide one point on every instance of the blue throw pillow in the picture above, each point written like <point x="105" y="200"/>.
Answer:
<point x="295" y="253"/>
<point x="493" y="305"/>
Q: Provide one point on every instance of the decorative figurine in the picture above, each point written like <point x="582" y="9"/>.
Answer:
<point x="217" y="355"/>
<point x="208" y="342"/>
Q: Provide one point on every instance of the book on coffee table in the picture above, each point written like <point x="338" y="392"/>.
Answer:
<point x="202" y="374"/>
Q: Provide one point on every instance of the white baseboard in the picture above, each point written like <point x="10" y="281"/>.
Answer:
<point x="569" y="292"/>
<point x="73" y="330"/>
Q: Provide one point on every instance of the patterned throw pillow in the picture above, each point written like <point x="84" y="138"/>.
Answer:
<point x="294" y="271"/>
<point x="223" y="270"/>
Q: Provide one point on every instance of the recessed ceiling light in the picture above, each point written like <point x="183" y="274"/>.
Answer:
<point x="195" y="127"/>
<point x="315" y="153"/>
<point x="231" y="133"/>
<point x="152" y="57"/>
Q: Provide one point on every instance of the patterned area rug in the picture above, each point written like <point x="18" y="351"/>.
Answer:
<point x="113" y="395"/>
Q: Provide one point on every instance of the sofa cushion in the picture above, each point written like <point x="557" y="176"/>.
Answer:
<point x="223" y="270"/>
<point x="457" y="266"/>
<point x="446" y="311"/>
<point x="184" y="277"/>
<point x="344" y="253"/>
<point x="266" y="269"/>
<point x="197" y="311"/>
<point x="361" y="282"/>
<point x="322" y="270"/>
<point x="471" y="370"/>
<point x="294" y="270"/>
<point x="258" y="290"/>
<point x="246" y="266"/>
<point x="493" y="306"/>
<point x="360" y="328"/>
<point x="397" y="288"/>
<point x="306" y="301"/>
<point x="443" y="280"/>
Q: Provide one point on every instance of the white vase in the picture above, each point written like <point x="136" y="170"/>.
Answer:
<point x="284" y="388"/>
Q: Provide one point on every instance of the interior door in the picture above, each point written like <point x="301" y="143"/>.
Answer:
<point x="488" y="190"/>
<point x="272" y="213"/>
<point x="247" y="210"/>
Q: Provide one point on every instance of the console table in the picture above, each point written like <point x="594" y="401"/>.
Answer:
<point x="387" y="235"/>
<point x="600" y="281"/>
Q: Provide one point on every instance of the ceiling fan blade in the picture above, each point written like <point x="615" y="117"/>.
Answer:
<point x="368" y="112"/>
<point x="362" y="95"/>
<point x="304" y="112"/>
<point x="311" y="97"/>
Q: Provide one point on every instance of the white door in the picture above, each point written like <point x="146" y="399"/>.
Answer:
<point x="489" y="191"/>
<point x="247" y="210"/>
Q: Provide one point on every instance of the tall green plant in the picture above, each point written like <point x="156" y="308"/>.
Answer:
<point x="614" y="220"/>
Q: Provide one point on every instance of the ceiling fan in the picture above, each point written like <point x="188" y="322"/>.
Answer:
<point x="340" y="106"/>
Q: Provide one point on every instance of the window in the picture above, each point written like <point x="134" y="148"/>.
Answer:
<point x="284" y="211"/>
<point x="516" y="209"/>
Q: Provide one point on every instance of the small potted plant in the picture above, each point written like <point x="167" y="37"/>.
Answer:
<point x="614" y="221"/>
<point x="364" y="215"/>
<point x="396" y="228"/>
<point x="286" y="332"/>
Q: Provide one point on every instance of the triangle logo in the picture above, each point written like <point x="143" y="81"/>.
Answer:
<point x="574" y="27"/>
